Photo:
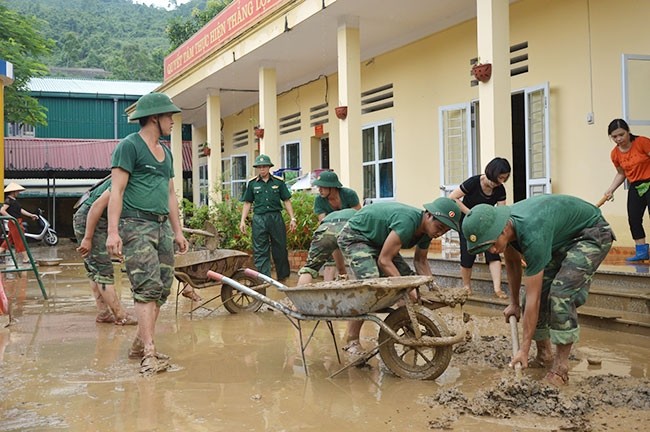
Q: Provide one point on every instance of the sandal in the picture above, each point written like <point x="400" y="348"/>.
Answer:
<point x="151" y="364"/>
<point x="137" y="351"/>
<point x="105" y="317"/>
<point x="127" y="320"/>
<point x="556" y="379"/>
<point x="501" y="295"/>
<point x="192" y="295"/>
<point x="354" y="348"/>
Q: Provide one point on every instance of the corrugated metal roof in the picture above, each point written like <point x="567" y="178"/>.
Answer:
<point x="40" y="154"/>
<point x="87" y="86"/>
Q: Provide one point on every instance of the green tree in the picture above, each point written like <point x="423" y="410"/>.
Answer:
<point x="23" y="45"/>
<point x="181" y="28"/>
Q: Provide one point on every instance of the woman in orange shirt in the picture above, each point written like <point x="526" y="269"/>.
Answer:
<point x="631" y="157"/>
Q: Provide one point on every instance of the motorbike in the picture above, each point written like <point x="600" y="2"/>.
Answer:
<point x="45" y="233"/>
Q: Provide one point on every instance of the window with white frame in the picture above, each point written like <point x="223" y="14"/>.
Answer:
<point x="378" y="162"/>
<point x="238" y="167"/>
<point x="290" y="156"/>
<point x="203" y="184"/>
<point x="225" y="176"/>
<point x="636" y="91"/>
<point x="19" y="130"/>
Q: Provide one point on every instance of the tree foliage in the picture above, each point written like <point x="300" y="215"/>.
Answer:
<point x="181" y="28"/>
<point x="23" y="46"/>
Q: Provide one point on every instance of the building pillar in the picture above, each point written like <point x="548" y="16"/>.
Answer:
<point x="214" y="142"/>
<point x="493" y="32"/>
<point x="177" y="154"/>
<point x="269" y="114"/>
<point x="349" y="74"/>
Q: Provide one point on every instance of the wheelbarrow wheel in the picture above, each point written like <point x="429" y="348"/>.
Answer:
<point x="414" y="362"/>
<point x="237" y="302"/>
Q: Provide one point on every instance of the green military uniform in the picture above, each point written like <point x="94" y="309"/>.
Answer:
<point x="362" y="239"/>
<point x="99" y="266"/>
<point x="349" y="199"/>
<point x="268" y="229"/>
<point x="147" y="236"/>
<point x="563" y="236"/>
<point x="323" y="243"/>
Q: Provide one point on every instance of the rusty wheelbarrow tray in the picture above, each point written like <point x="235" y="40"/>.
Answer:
<point x="190" y="270"/>
<point x="414" y="342"/>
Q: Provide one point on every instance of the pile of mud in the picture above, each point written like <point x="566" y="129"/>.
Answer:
<point x="575" y="404"/>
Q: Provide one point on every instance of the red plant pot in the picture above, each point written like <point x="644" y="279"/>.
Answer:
<point x="482" y="72"/>
<point x="259" y="133"/>
<point x="341" y="112"/>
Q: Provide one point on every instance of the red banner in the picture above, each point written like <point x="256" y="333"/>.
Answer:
<point x="230" y="22"/>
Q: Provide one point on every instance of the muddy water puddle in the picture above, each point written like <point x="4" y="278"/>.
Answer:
<point x="59" y="370"/>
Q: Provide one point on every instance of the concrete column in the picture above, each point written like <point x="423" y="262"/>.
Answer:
<point x="269" y="114"/>
<point x="177" y="153"/>
<point x="214" y="142"/>
<point x="197" y="138"/>
<point x="493" y="32"/>
<point x="349" y="69"/>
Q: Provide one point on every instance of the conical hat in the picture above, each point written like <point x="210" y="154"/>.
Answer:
<point x="14" y="187"/>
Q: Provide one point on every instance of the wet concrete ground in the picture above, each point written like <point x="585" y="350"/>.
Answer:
<point x="59" y="370"/>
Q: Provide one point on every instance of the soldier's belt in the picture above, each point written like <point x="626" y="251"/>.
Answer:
<point x="139" y="214"/>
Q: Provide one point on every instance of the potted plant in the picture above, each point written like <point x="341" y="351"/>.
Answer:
<point x="482" y="71"/>
<point x="259" y="132"/>
<point x="341" y="112"/>
<point x="205" y="149"/>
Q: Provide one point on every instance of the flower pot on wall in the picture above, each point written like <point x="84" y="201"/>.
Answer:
<point x="259" y="132"/>
<point x="341" y="112"/>
<point x="482" y="71"/>
<point x="206" y="151"/>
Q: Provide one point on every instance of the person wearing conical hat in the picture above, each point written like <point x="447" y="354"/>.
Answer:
<point x="563" y="240"/>
<point x="332" y="196"/>
<point x="12" y="207"/>
<point x="265" y="194"/>
<point x="144" y="222"/>
<point x="373" y="237"/>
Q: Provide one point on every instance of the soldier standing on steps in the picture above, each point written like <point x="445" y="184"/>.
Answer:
<point x="266" y="193"/>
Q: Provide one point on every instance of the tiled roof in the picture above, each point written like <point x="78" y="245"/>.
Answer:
<point x="72" y="155"/>
<point x="89" y="86"/>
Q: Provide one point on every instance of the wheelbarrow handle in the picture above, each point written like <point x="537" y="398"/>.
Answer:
<point x="216" y="276"/>
<point x="268" y="279"/>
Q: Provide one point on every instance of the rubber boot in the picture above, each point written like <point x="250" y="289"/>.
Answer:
<point x="641" y="253"/>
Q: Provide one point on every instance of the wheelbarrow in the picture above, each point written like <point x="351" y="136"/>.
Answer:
<point x="190" y="270"/>
<point x="414" y="342"/>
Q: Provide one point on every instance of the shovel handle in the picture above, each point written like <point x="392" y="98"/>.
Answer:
<point x="515" y="341"/>
<point x="603" y="200"/>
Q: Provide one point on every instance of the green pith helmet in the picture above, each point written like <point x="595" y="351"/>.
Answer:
<point x="263" y="160"/>
<point x="483" y="225"/>
<point x="445" y="210"/>
<point x="328" y="179"/>
<point x="152" y="104"/>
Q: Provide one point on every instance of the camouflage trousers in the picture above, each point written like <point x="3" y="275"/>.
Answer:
<point x="362" y="255"/>
<point x="323" y="244"/>
<point x="566" y="283"/>
<point x="148" y="249"/>
<point x="98" y="264"/>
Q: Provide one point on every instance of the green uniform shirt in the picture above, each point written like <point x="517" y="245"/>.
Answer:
<point x="148" y="186"/>
<point x="340" y="215"/>
<point x="96" y="193"/>
<point x="546" y="223"/>
<point x="266" y="196"/>
<point x="375" y="222"/>
<point x="349" y="199"/>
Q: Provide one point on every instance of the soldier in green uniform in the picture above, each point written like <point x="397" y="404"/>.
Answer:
<point x="563" y="240"/>
<point x="89" y="223"/>
<point x="266" y="193"/>
<point x="144" y="221"/>
<point x="332" y="196"/>
<point x="324" y="245"/>
<point x="372" y="239"/>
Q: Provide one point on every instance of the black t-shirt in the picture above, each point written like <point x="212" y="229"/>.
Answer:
<point x="474" y="194"/>
<point x="14" y="209"/>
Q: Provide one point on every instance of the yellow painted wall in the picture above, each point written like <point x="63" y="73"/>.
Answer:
<point x="575" y="45"/>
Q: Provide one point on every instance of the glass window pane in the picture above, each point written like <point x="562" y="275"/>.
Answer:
<point x="386" y="180"/>
<point x="369" y="188"/>
<point x="368" y="140"/>
<point x="239" y="168"/>
<point x="293" y="156"/>
<point x="385" y="138"/>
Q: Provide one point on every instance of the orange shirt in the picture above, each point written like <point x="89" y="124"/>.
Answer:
<point x="636" y="162"/>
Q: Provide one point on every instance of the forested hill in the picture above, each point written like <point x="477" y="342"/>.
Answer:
<point x="126" y="40"/>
